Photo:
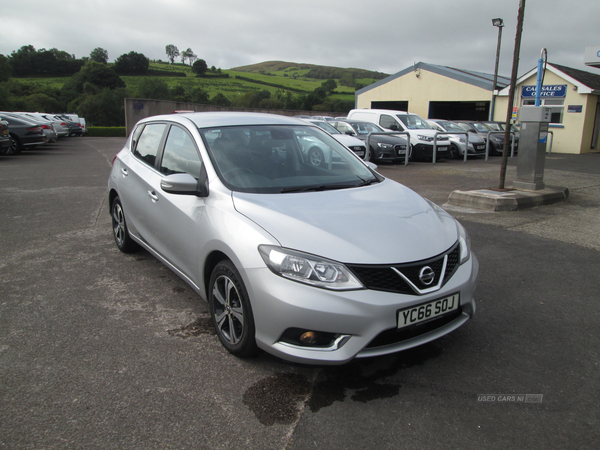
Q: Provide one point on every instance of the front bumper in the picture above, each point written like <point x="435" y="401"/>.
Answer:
<point x="356" y="318"/>
<point x="426" y="150"/>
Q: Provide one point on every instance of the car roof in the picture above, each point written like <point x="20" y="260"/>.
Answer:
<point x="230" y="118"/>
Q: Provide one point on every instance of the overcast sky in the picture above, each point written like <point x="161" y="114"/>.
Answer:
<point x="382" y="35"/>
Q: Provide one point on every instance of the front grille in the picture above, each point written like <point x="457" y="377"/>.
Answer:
<point x="386" y="277"/>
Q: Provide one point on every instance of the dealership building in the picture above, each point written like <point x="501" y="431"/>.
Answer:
<point x="440" y="92"/>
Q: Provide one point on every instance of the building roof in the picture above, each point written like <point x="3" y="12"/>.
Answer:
<point x="586" y="82"/>
<point x="479" y="79"/>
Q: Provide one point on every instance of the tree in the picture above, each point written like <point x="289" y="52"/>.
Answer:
<point x="106" y="108"/>
<point x="220" y="100"/>
<point x="27" y="62"/>
<point x="5" y="70"/>
<point x="99" y="55"/>
<point x="98" y="74"/>
<point x="132" y="63"/>
<point x="154" y="88"/>
<point x="199" y="67"/>
<point x="199" y="95"/>
<point x="189" y="55"/>
<point x="329" y="86"/>
<point x="172" y="52"/>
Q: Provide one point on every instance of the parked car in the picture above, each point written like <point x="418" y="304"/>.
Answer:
<point x="47" y="125"/>
<point x="311" y="264"/>
<point x="482" y="130"/>
<point x="5" y="140"/>
<point x="60" y="125"/>
<point x="75" y="126"/>
<point x="354" y="144"/>
<point x="24" y="134"/>
<point x="501" y="126"/>
<point x="83" y="124"/>
<point x="382" y="148"/>
<point x="422" y="135"/>
<point x="458" y="142"/>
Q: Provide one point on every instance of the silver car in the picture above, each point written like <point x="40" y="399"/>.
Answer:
<point x="311" y="264"/>
<point x="458" y="141"/>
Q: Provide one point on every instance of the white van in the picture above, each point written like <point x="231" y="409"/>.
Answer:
<point x="421" y="133"/>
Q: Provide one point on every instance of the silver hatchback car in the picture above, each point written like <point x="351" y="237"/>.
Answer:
<point x="312" y="264"/>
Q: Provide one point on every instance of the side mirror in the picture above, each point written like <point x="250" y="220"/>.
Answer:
<point x="394" y="127"/>
<point x="182" y="184"/>
<point x="350" y="133"/>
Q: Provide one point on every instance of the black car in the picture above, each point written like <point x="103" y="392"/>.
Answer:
<point x="483" y="128"/>
<point x="24" y="134"/>
<point x="382" y="148"/>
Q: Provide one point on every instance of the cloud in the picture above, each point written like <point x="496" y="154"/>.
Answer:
<point x="377" y="35"/>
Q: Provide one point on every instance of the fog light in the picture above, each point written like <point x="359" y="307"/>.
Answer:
<point x="308" y="338"/>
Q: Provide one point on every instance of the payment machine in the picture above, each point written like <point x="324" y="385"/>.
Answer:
<point x="532" y="147"/>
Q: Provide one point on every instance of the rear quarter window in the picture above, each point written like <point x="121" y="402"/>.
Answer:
<point x="148" y="143"/>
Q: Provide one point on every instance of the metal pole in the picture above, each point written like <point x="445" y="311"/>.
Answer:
<point x="511" y="95"/>
<point x="496" y="69"/>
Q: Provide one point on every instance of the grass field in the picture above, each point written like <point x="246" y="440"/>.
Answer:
<point x="270" y="76"/>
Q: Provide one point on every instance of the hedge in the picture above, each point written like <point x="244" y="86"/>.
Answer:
<point x="107" y="132"/>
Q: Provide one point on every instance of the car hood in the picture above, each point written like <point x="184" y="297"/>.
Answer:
<point x="348" y="141"/>
<point x="378" y="224"/>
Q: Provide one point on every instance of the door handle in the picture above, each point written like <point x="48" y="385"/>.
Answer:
<point x="153" y="196"/>
<point x="124" y="172"/>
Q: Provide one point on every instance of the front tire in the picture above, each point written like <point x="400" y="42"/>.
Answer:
<point x="454" y="152"/>
<point x="231" y="311"/>
<point x="120" y="230"/>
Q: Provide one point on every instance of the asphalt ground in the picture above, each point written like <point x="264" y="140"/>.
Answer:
<point x="101" y="350"/>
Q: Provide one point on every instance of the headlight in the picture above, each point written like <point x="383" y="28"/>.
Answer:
<point x="308" y="269"/>
<point x="464" y="242"/>
<point x="425" y="138"/>
<point x="383" y="145"/>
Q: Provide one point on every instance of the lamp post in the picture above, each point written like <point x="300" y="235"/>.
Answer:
<point x="497" y="23"/>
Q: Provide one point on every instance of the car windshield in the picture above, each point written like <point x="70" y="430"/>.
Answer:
<point x="481" y="128"/>
<point x="414" y="122"/>
<point x="451" y="126"/>
<point x="327" y="127"/>
<point x="494" y="126"/>
<point x="366" y="128"/>
<point x="283" y="159"/>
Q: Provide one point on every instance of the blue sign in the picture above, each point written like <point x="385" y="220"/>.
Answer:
<point x="555" y="90"/>
<point x="575" y="108"/>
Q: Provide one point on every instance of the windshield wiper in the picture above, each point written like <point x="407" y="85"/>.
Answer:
<point x="317" y="187"/>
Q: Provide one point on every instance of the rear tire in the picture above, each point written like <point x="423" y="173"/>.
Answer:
<point x="14" y="148"/>
<point x="120" y="230"/>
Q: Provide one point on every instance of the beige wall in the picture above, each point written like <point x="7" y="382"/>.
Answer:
<point x="411" y="88"/>
<point x="575" y="133"/>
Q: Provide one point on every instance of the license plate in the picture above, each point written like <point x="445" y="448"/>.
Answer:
<point x="359" y="153"/>
<point x="402" y="152"/>
<point x="442" y="149"/>
<point x="481" y="147"/>
<point x="428" y="311"/>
